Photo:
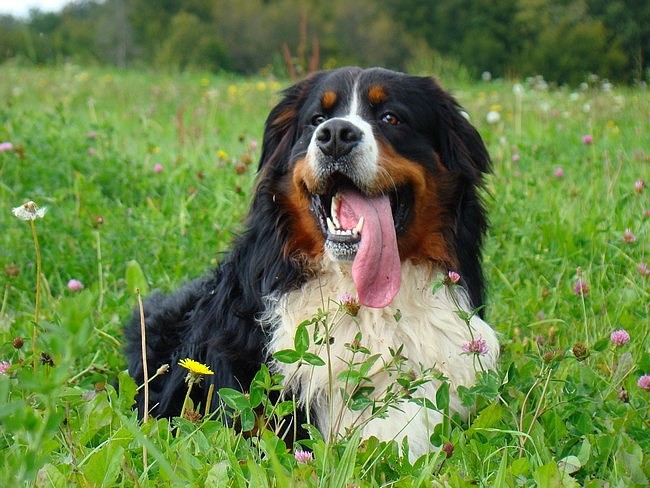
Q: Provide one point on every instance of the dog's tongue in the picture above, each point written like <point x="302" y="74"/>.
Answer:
<point x="376" y="268"/>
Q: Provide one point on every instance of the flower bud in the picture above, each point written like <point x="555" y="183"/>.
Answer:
<point x="448" y="449"/>
<point x="580" y="351"/>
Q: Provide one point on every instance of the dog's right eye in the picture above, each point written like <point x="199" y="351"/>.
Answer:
<point x="318" y="119"/>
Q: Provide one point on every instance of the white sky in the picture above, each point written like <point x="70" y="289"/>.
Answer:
<point x="20" y="8"/>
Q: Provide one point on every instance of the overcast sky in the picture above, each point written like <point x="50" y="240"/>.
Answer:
<point x="20" y="8"/>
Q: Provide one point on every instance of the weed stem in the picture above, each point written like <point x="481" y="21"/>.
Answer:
<point x="37" y="306"/>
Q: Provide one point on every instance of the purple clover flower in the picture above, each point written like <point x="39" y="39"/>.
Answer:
<point x="349" y="304"/>
<point x="476" y="346"/>
<point x="581" y="287"/>
<point x="639" y="185"/>
<point x="620" y="337"/>
<point x="4" y="366"/>
<point x="453" y="277"/>
<point x="303" y="457"/>
<point x="628" y="236"/>
<point x="644" y="382"/>
<point x="75" y="285"/>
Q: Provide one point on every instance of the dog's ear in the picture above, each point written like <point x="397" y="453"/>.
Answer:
<point x="281" y="128"/>
<point x="458" y="143"/>
<point x="463" y="153"/>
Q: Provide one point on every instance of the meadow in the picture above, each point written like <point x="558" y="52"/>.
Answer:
<point x="146" y="177"/>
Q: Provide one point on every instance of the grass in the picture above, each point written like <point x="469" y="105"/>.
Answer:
<point x="86" y="143"/>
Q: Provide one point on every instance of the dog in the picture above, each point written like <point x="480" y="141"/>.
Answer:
<point x="368" y="191"/>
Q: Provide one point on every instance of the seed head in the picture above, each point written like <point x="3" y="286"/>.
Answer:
<point x="580" y="351"/>
<point x="448" y="449"/>
<point x="29" y="211"/>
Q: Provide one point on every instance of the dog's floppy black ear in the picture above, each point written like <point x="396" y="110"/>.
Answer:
<point x="281" y="126"/>
<point x="463" y="153"/>
<point x="459" y="144"/>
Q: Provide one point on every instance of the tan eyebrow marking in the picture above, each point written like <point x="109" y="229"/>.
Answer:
<point x="328" y="99"/>
<point x="376" y="94"/>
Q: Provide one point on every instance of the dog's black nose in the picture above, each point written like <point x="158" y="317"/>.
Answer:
<point x="337" y="137"/>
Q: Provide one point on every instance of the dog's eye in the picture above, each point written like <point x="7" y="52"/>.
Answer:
<point x="390" y="118"/>
<point x="318" y="119"/>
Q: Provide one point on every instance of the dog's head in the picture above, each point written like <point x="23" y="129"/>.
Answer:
<point x="376" y="167"/>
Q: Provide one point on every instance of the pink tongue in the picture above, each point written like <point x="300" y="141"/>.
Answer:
<point x="376" y="268"/>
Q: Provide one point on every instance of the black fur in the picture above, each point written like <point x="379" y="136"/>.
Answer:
<point x="214" y="319"/>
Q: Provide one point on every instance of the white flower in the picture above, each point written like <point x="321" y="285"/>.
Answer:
<point x="493" y="117"/>
<point x="29" y="211"/>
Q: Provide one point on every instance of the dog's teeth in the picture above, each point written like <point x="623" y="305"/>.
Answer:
<point x="330" y="226"/>
<point x="357" y="230"/>
<point x="336" y="202"/>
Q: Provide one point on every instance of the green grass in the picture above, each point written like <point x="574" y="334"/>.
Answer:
<point x="85" y="145"/>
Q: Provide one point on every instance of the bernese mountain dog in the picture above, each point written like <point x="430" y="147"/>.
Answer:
<point x="368" y="191"/>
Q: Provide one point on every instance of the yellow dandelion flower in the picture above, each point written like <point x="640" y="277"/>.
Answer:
<point x="221" y="154"/>
<point x="196" y="371"/>
<point x="195" y="367"/>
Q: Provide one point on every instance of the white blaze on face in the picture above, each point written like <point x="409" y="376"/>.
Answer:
<point x="376" y="263"/>
<point x="363" y="160"/>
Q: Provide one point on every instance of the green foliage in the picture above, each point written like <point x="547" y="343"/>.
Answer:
<point x="85" y="143"/>
<point x="562" y="40"/>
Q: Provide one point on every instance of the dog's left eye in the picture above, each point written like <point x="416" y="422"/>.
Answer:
<point x="318" y="119"/>
<point x="390" y="118"/>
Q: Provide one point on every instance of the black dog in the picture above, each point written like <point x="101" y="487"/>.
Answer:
<point x="368" y="190"/>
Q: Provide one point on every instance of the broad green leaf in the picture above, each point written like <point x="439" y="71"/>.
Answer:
<point x="127" y="391"/>
<point x="104" y="465"/>
<point x="135" y="278"/>
<point x="520" y="466"/>
<point x="218" y="474"/>
<point x="234" y="399"/>
<point x="301" y="339"/>
<point x="49" y="476"/>
<point x="247" y="419"/>
<point x="312" y="359"/>
<point x="287" y="356"/>
<point x="442" y="396"/>
<point x="569" y="464"/>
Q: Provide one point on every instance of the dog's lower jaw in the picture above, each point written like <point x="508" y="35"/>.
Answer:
<point x="425" y="323"/>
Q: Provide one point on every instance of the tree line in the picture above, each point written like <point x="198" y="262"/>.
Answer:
<point x="563" y="40"/>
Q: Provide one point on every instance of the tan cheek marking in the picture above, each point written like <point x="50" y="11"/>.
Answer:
<point x="304" y="176"/>
<point x="305" y="236"/>
<point x="424" y="239"/>
<point x="328" y="100"/>
<point x="377" y="95"/>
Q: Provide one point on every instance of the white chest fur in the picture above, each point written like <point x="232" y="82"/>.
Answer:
<point x="427" y="325"/>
